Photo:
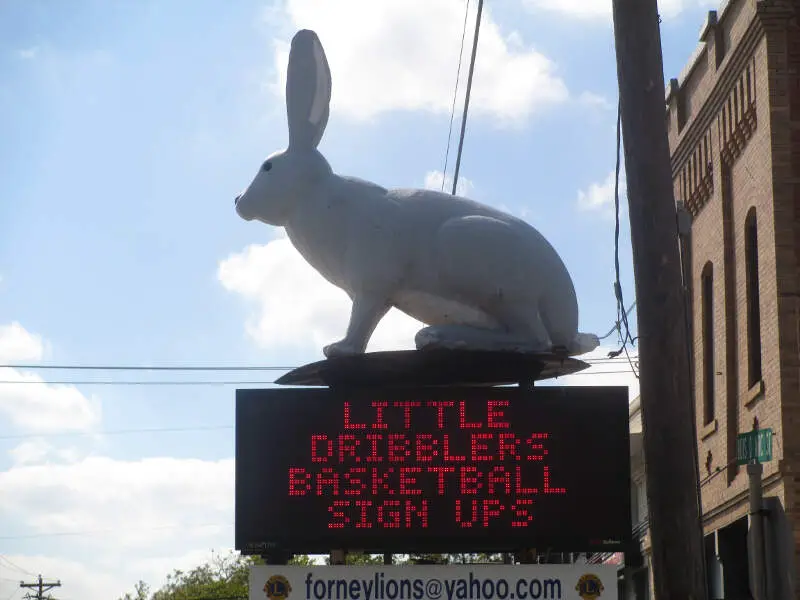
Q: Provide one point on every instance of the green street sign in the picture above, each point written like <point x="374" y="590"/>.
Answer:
<point x="754" y="445"/>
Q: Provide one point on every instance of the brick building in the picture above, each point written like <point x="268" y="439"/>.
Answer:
<point x="635" y="574"/>
<point x="733" y="119"/>
<point x="638" y="581"/>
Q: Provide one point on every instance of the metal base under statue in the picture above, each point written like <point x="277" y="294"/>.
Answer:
<point x="433" y="367"/>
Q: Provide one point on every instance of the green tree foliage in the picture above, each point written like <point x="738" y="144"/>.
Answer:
<point x="141" y="591"/>
<point x="359" y="559"/>
<point x="426" y="559"/>
<point x="224" y="578"/>
<point x="422" y="559"/>
<point x="479" y="558"/>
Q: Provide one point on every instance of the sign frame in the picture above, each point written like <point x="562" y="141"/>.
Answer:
<point x="588" y="413"/>
<point x="433" y="582"/>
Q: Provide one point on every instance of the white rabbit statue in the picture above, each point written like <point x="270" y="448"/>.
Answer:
<point x="480" y="278"/>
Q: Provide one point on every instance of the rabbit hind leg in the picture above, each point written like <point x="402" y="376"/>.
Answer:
<point x="525" y="321"/>
<point x="495" y="265"/>
<point x="492" y="264"/>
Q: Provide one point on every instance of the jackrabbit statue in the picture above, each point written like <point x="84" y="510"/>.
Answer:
<point x="479" y="278"/>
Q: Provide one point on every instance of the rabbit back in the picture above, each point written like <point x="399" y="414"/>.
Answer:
<point x="475" y="265"/>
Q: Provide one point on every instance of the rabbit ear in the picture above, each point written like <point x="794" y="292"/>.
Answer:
<point x="308" y="90"/>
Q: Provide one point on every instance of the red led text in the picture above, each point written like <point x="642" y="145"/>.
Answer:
<point x="385" y="469"/>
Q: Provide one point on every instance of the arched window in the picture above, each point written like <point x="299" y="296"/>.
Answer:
<point x="753" y="299"/>
<point x="707" y="316"/>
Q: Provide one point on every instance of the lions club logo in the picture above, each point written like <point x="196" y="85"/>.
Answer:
<point x="589" y="587"/>
<point x="277" y="588"/>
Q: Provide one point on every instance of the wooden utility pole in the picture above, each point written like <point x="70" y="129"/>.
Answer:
<point x="40" y="586"/>
<point x="670" y="440"/>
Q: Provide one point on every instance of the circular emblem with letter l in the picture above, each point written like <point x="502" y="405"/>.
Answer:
<point x="589" y="587"/>
<point x="277" y="588"/>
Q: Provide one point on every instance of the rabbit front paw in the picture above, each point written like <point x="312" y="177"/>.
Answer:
<point x="341" y="348"/>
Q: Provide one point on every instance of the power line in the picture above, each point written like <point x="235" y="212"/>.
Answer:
<point x="467" y="95"/>
<point x="228" y="382"/>
<point x="90" y="532"/>
<point x="144" y="367"/>
<point x="14" y="566"/>
<point x="718" y="470"/>
<point x="23" y="436"/>
<point x="616" y="327"/>
<point x="181" y="429"/>
<point x="133" y="382"/>
<point x="204" y="368"/>
<point x="621" y="313"/>
<point x="13" y="595"/>
<point x="455" y="92"/>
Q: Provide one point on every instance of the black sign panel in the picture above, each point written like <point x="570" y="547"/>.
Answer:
<point x="432" y="469"/>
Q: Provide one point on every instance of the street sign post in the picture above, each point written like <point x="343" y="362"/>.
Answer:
<point x="752" y="449"/>
<point x="754" y="445"/>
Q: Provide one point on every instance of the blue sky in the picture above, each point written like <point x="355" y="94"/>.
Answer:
<point x="128" y="128"/>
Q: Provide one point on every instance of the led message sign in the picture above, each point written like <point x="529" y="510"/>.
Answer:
<point x="432" y="469"/>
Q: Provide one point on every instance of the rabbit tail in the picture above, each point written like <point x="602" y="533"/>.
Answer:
<point x="583" y="343"/>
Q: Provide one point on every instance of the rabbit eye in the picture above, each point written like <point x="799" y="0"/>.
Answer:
<point x="266" y="166"/>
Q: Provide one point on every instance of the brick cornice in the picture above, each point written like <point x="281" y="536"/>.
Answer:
<point x="775" y="12"/>
<point x="726" y="77"/>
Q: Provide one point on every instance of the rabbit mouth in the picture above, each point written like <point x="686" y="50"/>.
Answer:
<point x="239" y="212"/>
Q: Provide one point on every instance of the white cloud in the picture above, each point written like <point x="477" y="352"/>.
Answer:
<point x="33" y="405"/>
<point x="38" y="451"/>
<point x="601" y="9"/>
<point x="592" y="99"/>
<point x="17" y="344"/>
<point x="28" y="53"/>
<point x="100" y="578"/>
<point x="128" y="520"/>
<point x="140" y="519"/>
<point x="27" y="401"/>
<point x="466" y="188"/>
<point x="105" y="523"/>
<point x="434" y="180"/>
<point x="295" y="308"/>
<point x="162" y="499"/>
<point x="599" y="196"/>
<point x="78" y="579"/>
<point x="402" y="55"/>
<point x="123" y="519"/>
<point x="31" y="451"/>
